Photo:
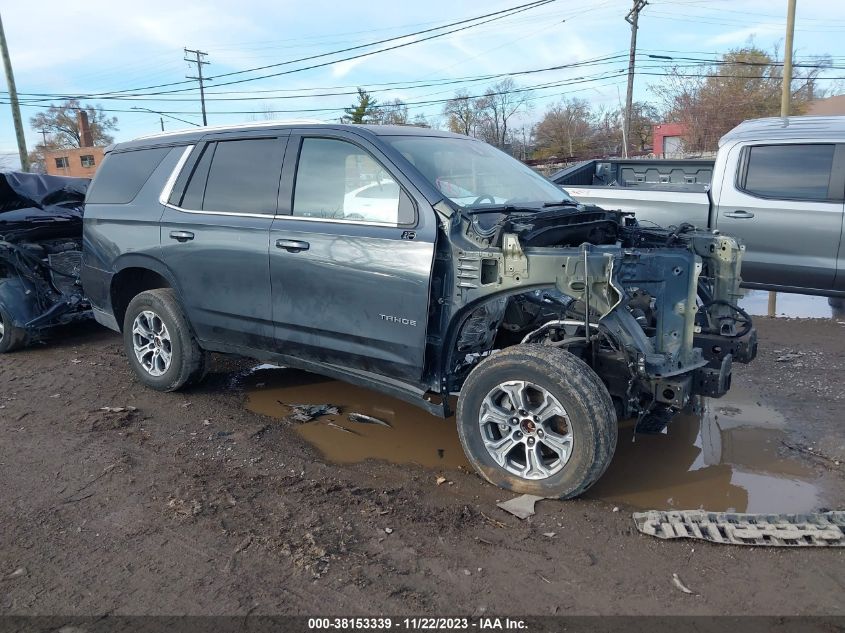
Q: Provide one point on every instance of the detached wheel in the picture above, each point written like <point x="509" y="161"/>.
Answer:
<point x="537" y="420"/>
<point x="159" y="342"/>
<point x="11" y="336"/>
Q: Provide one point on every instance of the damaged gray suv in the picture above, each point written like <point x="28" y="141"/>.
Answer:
<point x="421" y="264"/>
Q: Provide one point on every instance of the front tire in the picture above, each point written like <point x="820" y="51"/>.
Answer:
<point x="159" y="342"/>
<point x="537" y="420"/>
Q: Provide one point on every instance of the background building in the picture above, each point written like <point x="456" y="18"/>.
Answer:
<point x="80" y="162"/>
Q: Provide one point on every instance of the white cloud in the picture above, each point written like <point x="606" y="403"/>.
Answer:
<point x="740" y="36"/>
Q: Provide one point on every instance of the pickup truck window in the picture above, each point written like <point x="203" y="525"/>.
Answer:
<point x="337" y="180"/>
<point x="789" y="172"/>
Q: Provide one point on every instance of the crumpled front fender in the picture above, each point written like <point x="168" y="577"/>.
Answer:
<point x="17" y="298"/>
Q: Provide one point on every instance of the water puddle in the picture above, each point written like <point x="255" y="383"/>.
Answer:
<point x="756" y="303"/>
<point x="414" y="436"/>
<point x="727" y="456"/>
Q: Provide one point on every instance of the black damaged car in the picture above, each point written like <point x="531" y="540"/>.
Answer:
<point x="40" y="256"/>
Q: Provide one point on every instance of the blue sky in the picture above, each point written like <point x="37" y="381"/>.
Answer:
<point x="110" y="45"/>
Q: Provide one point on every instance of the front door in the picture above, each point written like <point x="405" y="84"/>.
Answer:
<point x="350" y="259"/>
<point x="215" y="235"/>
<point x="786" y="205"/>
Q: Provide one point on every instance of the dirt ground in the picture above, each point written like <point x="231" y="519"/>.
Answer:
<point x="190" y="503"/>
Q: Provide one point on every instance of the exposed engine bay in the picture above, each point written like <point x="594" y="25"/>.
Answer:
<point x="40" y="255"/>
<point x="652" y="310"/>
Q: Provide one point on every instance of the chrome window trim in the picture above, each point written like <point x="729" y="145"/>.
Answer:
<point x="339" y="221"/>
<point x="231" y="213"/>
<point x="164" y="196"/>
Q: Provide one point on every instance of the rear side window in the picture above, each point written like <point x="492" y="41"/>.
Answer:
<point x="240" y="176"/>
<point x="122" y="175"/>
<point x="789" y="172"/>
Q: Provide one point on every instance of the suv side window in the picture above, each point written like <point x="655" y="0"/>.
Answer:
<point x="337" y="180"/>
<point x="122" y="175"/>
<point x="238" y="176"/>
<point x="789" y="172"/>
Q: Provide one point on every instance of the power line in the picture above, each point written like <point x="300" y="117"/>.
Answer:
<point x="497" y="15"/>
<point x="613" y="58"/>
<point x="545" y="86"/>
<point x="393" y="86"/>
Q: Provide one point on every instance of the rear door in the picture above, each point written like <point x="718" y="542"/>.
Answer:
<point x="350" y="258"/>
<point x="215" y="236"/>
<point x="786" y="204"/>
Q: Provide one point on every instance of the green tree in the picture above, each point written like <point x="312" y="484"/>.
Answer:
<point x="364" y="111"/>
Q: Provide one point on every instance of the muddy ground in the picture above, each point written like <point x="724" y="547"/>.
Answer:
<point x="192" y="503"/>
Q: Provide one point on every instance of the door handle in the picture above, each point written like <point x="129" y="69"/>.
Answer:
<point x="739" y="214"/>
<point x="181" y="236"/>
<point x="293" y="246"/>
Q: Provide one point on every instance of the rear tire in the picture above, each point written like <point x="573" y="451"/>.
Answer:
<point x="537" y="420"/>
<point x="160" y="343"/>
<point x="11" y="336"/>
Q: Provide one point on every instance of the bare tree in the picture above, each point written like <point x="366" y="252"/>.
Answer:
<point x="462" y="113"/>
<point x="61" y="122"/>
<point x="745" y="84"/>
<point x="500" y="103"/>
<point x="421" y="120"/>
<point x="566" y="129"/>
<point x="392" y="113"/>
<point x="643" y="118"/>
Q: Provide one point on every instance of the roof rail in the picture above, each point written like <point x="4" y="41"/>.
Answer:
<point x="235" y="126"/>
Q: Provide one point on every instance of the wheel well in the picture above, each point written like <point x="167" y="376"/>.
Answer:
<point x="129" y="283"/>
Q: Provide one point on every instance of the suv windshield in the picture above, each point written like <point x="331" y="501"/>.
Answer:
<point x="476" y="175"/>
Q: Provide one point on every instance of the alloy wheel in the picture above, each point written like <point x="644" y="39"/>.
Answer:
<point x="526" y="430"/>
<point x="151" y="342"/>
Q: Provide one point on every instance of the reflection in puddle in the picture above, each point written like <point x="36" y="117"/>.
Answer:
<point x="756" y="303"/>
<point x="726" y="457"/>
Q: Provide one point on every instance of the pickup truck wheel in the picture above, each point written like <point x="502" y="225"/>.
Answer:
<point x="11" y="336"/>
<point x="159" y="342"/>
<point x="537" y="420"/>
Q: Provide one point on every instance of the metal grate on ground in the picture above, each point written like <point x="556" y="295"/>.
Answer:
<point x="819" y="529"/>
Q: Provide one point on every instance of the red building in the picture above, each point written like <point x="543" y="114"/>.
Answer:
<point x="667" y="140"/>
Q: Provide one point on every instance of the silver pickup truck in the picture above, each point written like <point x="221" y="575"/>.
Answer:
<point x="778" y="184"/>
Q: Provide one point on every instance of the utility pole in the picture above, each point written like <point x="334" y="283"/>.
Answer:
<point x="13" y="100"/>
<point x="161" y="120"/>
<point x="785" y="95"/>
<point x="632" y="18"/>
<point x="786" y="87"/>
<point x="200" y="62"/>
